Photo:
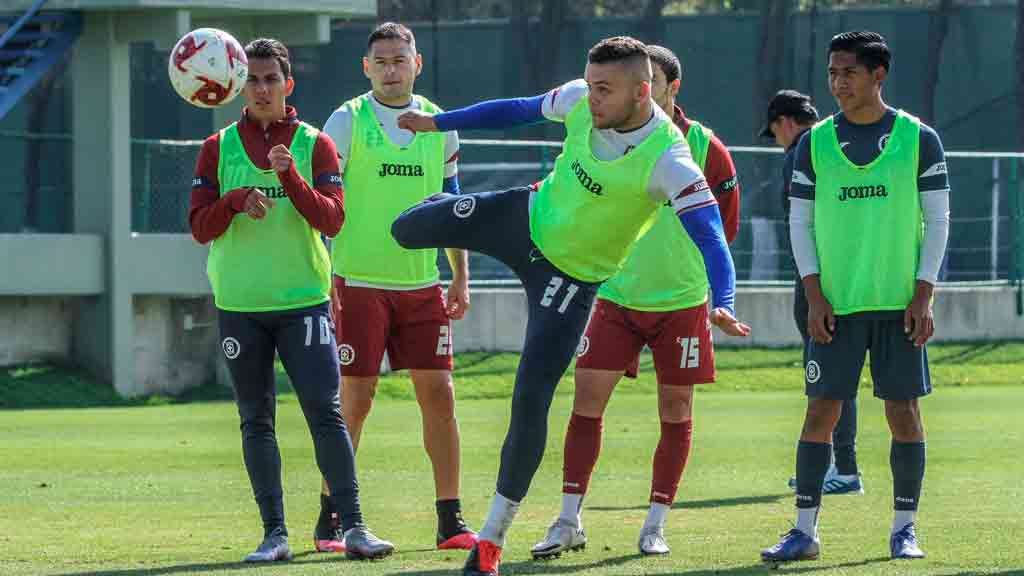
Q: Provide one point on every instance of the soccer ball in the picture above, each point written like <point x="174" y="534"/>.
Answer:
<point x="208" y="67"/>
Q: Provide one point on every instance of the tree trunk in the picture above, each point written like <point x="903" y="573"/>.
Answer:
<point x="1020" y="74"/>
<point x="938" y="29"/>
<point x="653" y="24"/>
<point x="771" y="53"/>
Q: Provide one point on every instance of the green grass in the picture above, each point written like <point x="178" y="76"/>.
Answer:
<point x="157" y="490"/>
<point x="488" y="375"/>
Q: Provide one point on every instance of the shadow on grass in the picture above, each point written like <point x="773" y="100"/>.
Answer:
<point x="205" y="567"/>
<point x="702" y="504"/>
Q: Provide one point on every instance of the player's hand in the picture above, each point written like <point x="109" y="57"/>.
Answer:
<point x="918" y="322"/>
<point x="457" y="299"/>
<point x="335" y="307"/>
<point x="280" y="158"/>
<point x="727" y="323"/>
<point x="821" y="320"/>
<point x="257" y="204"/>
<point x="416" y="121"/>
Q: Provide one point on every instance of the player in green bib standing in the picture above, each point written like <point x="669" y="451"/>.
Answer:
<point x="658" y="298"/>
<point x="623" y="159"/>
<point x="265" y="189"/>
<point x="869" y="220"/>
<point x="389" y="298"/>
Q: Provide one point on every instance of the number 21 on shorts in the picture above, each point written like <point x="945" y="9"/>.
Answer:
<point x="552" y="290"/>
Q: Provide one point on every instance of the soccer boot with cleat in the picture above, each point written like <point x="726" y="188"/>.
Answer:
<point x="361" y="544"/>
<point x="274" y="548"/>
<point x="561" y="536"/>
<point x="483" y="559"/>
<point x="795" y="545"/>
<point x="903" y="544"/>
<point x="459" y="536"/>
<point x="842" y="484"/>
<point x="327" y="536"/>
<point x="652" y="541"/>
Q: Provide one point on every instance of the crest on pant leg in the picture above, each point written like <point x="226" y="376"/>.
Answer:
<point x="813" y="372"/>
<point x="231" y="348"/>
<point x="464" y="207"/>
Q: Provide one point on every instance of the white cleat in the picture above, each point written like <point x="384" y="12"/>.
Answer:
<point x="652" y="541"/>
<point x="561" y="536"/>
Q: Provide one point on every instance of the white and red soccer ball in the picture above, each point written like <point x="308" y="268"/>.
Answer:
<point x="208" y="67"/>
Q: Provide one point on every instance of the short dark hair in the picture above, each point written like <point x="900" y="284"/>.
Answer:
<point x="270" y="48"/>
<point x="391" y="31"/>
<point x="667" y="61"/>
<point x="869" y="47"/>
<point x="616" y="49"/>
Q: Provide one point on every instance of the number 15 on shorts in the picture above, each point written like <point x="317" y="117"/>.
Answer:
<point x="690" y="357"/>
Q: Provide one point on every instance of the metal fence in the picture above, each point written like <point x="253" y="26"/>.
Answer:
<point x="987" y="204"/>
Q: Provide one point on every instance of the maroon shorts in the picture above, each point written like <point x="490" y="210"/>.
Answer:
<point x="411" y="325"/>
<point x="680" y="341"/>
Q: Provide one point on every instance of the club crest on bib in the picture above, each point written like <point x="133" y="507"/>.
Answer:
<point x="231" y="348"/>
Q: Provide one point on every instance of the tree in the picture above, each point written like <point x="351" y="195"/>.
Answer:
<point x="938" y="29"/>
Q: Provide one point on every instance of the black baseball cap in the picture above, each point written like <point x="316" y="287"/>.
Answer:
<point x="788" y="103"/>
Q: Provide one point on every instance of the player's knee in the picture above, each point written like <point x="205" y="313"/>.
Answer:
<point x="904" y="417"/>
<point x="407" y="229"/>
<point x="822" y="415"/>
<point x="256" y="424"/>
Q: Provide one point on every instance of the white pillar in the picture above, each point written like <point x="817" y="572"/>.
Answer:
<point x="103" y="331"/>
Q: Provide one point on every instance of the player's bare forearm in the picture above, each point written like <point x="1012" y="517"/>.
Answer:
<point x="458" y="259"/>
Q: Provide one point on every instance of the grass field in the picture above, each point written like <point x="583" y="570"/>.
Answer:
<point x="158" y="487"/>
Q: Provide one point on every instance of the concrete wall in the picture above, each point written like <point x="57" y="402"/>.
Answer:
<point x="497" y="320"/>
<point x="175" y="345"/>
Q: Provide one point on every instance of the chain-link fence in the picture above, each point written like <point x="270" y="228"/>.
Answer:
<point x="986" y="234"/>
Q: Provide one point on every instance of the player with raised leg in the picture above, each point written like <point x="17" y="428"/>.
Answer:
<point x="658" y="298"/>
<point x="623" y="159"/>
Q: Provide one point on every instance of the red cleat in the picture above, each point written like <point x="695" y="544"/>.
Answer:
<point x="461" y="541"/>
<point x="483" y="559"/>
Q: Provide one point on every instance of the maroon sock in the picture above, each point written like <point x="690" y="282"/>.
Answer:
<point x="582" y="447"/>
<point x="670" y="460"/>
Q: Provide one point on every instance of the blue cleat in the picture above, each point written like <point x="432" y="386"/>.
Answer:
<point x="795" y="545"/>
<point x="903" y="544"/>
<point x="837" y="484"/>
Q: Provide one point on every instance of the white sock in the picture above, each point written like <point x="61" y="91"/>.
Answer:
<point x="571" y="508"/>
<point x="499" y="518"/>
<point x="807" y="521"/>
<point x="902" y="518"/>
<point x="656" y="515"/>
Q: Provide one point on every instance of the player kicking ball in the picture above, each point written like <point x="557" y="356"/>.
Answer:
<point x="623" y="159"/>
<point x="659" y="299"/>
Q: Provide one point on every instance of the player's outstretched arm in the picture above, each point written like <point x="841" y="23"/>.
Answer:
<point x="704" y="225"/>
<point x="489" y="115"/>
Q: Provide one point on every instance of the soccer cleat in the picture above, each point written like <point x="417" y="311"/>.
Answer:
<point x="840" y="484"/>
<point x="461" y="541"/>
<point x="361" y="544"/>
<point x="836" y="483"/>
<point x="903" y="544"/>
<point x="460" y="537"/>
<point x="652" y="541"/>
<point x="561" y="536"/>
<point x="273" y="548"/>
<point x="327" y="536"/>
<point x="483" y="559"/>
<point x="795" y="545"/>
